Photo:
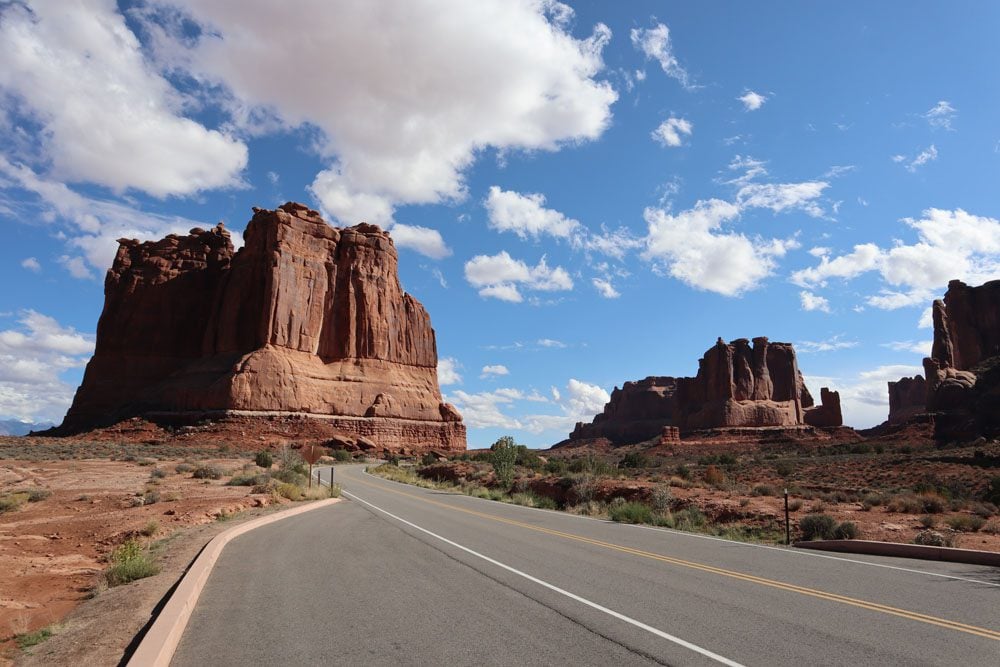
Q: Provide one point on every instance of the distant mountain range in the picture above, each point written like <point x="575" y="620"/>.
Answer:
<point x="16" y="427"/>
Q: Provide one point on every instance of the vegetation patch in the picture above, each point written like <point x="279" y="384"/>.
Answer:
<point x="129" y="562"/>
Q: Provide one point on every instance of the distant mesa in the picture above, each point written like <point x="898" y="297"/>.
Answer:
<point x="738" y="386"/>
<point x="305" y="320"/>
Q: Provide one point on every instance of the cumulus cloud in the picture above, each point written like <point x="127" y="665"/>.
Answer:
<point x="108" y="116"/>
<point x="379" y="82"/>
<point x="864" y="397"/>
<point x="76" y="266"/>
<point x="669" y="131"/>
<point x="486" y="409"/>
<point x="494" y="370"/>
<point x="941" y="115"/>
<point x="751" y="100"/>
<point x="926" y="320"/>
<point x="828" y="345"/>
<point x="527" y="216"/>
<point x="501" y="276"/>
<point x="31" y="264"/>
<point x="655" y="44"/>
<point x="949" y="245"/>
<point x="920" y="347"/>
<point x="426" y="241"/>
<point x="812" y="301"/>
<point x="605" y="288"/>
<point x="580" y="402"/>
<point x="33" y="355"/>
<point x="694" y="247"/>
<point x="783" y="196"/>
<point x="447" y="371"/>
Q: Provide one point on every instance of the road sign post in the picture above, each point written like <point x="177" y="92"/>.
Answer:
<point x="311" y="454"/>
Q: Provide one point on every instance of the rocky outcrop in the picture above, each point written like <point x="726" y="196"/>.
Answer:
<point x="963" y="371"/>
<point x="738" y="385"/>
<point x="305" y="318"/>
<point x="907" y="398"/>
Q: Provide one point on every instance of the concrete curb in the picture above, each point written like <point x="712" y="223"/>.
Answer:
<point x="157" y="648"/>
<point x="968" y="556"/>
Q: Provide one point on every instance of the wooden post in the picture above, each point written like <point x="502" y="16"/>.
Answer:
<point x="788" y="532"/>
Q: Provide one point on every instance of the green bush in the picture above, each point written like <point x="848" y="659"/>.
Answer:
<point x="428" y="459"/>
<point x="207" y="472"/>
<point x="690" y="518"/>
<point x="683" y="471"/>
<point x="630" y="512"/>
<point x="817" y="527"/>
<point x="503" y="455"/>
<point x="846" y="531"/>
<point x="184" y="467"/>
<point x="157" y="473"/>
<point x="263" y="459"/>
<point x="29" y="639"/>
<point x="130" y="562"/>
<point x="342" y="455"/>
<point x="992" y="494"/>
<point x="764" y="490"/>
<point x="36" y="494"/>
<point x="248" y="479"/>
<point x="634" y="460"/>
<point x="966" y="523"/>
<point x="290" y="491"/>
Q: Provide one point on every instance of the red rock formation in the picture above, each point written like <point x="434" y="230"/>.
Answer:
<point x="907" y="397"/>
<point x="737" y="385"/>
<point x="963" y="371"/>
<point x="306" y="318"/>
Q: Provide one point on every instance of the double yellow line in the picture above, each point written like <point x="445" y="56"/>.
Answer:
<point x="823" y="595"/>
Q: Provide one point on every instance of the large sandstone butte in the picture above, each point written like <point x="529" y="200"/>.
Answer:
<point x="907" y="398"/>
<point x="963" y="371"/>
<point x="737" y="386"/>
<point x="305" y="319"/>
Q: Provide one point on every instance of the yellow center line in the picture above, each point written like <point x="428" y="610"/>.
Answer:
<point x="823" y="595"/>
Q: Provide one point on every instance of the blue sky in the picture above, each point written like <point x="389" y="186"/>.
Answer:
<point x="582" y="193"/>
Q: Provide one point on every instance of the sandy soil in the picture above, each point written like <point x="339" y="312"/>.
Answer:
<point x="53" y="550"/>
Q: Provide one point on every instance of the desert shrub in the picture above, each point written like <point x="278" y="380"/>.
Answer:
<point x="289" y="459"/>
<point x="871" y="500"/>
<point x="927" y="521"/>
<point x="764" y="490"/>
<point x="634" y="460"/>
<point x="992" y="493"/>
<point x="184" y="467"/>
<point x="428" y="459"/>
<point x="690" y="518"/>
<point x="36" y="494"/>
<point x="290" y="476"/>
<point x="150" y="528"/>
<point x="714" y="476"/>
<point x="933" y="502"/>
<point x="683" y="471"/>
<point x="846" y="531"/>
<point x="966" y="523"/>
<point x="583" y="488"/>
<point x="985" y="510"/>
<point x="817" y="527"/>
<point x="503" y="455"/>
<point x="992" y="526"/>
<point x="342" y="455"/>
<point x="157" y="473"/>
<point x="333" y="491"/>
<point x="744" y="502"/>
<point x="717" y="459"/>
<point x="627" y="512"/>
<point x="263" y="459"/>
<point x="528" y="458"/>
<point x="129" y="562"/>
<point x="817" y="507"/>
<point x="290" y="491"/>
<point x="248" y="479"/>
<point x="529" y="499"/>
<point x="905" y="503"/>
<point x="595" y="465"/>
<point x="207" y="472"/>
<point x="662" y="498"/>
<point x="29" y="639"/>
<point x="146" y="462"/>
<point x="151" y="497"/>
<point x="795" y="505"/>
<point x="929" y="538"/>
<point x="267" y="487"/>
<point x="556" y="466"/>
<point x="12" y="501"/>
<point x="784" y="468"/>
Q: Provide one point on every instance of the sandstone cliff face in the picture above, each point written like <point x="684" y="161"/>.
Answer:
<point x="306" y="318"/>
<point x="963" y="371"/>
<point x="737" y="385"/>
<point x="907" y="397"/>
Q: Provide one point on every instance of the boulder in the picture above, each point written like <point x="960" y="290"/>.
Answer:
<point x="304" y="319"/>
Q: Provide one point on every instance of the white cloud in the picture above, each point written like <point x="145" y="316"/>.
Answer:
<point x="669" y="131"/>
<point x="655" y="44"/>
<point x="921" y="347"/>
<point x="692" y="247"/>
<point x="783" y="196"/>
<point x="605" y="288"/>
<point x="379" y="83"/>
<point x="32" y="357"/>
<point x="864" y="398"/>
<point x="526" y="215"/>
<point x="426" y="241"/>
<point x="819" y="251"/>
<point x="494" y="371"/>
<point x="549" y="342"/>
<point x="941" y="115"/>
<point x="926" y="320"/>
<point x="950" y="245"/>
<point x="31" y="264"/>
<point x="929" y="154"/>
<point x="485" y="409"/>
<point x="76" y="266"/>
<point x="829" y="345"/>
<point x="812" y="301"/>
<point x="447" y="371"/>
<point x="751" y="167"/>
<point x="580" y="403"/>
<point x="500" y="276"/>
<point x="751" y="100"/>
<point x="108" y="117"/>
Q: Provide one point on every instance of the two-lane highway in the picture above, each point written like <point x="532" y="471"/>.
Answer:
<point x="403" y="575"/>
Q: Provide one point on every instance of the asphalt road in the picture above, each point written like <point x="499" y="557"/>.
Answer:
<point x="403" y="575"/>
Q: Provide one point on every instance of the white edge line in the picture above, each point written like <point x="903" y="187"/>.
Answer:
<point x="684" y="533"/>
<point x="572" y="596"/>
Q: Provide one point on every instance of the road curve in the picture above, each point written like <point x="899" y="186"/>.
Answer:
<point x="403" y="575"/>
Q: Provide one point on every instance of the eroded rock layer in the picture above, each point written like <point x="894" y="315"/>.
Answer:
<point x="738" y="385"/>
<point x="305" y="318"/>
